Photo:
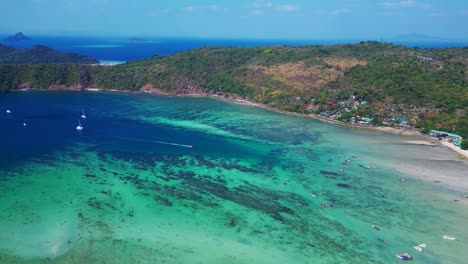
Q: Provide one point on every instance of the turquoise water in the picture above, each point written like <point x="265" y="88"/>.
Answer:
<point x="155" y="179"/>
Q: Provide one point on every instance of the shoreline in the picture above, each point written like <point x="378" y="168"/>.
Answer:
<point x="423" y="139"/>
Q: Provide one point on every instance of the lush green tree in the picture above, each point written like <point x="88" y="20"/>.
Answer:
<point x="389" y="77"/>
<point x="464" y="144"/>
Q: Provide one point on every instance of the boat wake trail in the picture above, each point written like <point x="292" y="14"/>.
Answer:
<point x="157" y="142"/>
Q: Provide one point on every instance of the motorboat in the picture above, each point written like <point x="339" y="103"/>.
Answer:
<point x="79" y="127"/>
<point x="404" y="256"/>
<point x="418" y="248"/>
<point x="446" y="237"/>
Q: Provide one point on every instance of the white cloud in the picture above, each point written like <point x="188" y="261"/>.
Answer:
<point x="259" y="4"/>
<point x="462" y="12"/>
<point x="287" y="8"/>
<point x="340" y="11"/>
<point x="390" y="14"/>
<point x="405" y="4"/>
<point x="438" y="14"/>
<point x="211" y="8"/>
<point x="258" y="12"/>
<point x="158" y="12"/>
<point x="188" y="9"/>
<point x="401" y="4"/>
<point x="260" y="7"/>
<point x="40" y="2"/>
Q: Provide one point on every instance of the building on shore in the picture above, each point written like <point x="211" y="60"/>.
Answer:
<point x="446" y="136"/>
<point x="443" y="134"/>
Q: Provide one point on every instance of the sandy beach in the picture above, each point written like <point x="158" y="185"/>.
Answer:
<point x="417" y="138"/>
<point x="461" y="153"/>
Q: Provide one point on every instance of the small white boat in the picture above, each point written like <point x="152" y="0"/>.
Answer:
<point x="422" y="245"/>
<point x="79" y="127"/>
<point x="313" y="195"/>
<point x="8" y="111"/>
<point x="24" y="123"/>
<point x="418" y="248"/>
<point x="449" y="237"/>
<point x="83" y="115"/>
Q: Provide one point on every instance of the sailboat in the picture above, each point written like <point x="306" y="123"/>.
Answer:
<point x="83" y="115"/>
<point x="79" y="127"/>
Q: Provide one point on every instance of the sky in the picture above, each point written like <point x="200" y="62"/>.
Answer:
<point x="254" y="19"/>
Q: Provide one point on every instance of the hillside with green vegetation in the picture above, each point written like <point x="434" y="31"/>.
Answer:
<point x="383" y="83"/>
<point x="40" y="54"/>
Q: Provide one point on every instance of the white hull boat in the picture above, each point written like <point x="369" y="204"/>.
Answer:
<point x="79" y="127"/>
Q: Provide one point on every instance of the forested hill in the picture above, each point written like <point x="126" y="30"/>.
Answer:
<point x="40" y="54"/>
<point x="387" y="83"/>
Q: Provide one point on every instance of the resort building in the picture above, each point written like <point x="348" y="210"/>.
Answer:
<point x="446" y="136"/>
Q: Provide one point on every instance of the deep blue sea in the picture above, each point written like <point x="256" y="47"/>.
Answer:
<point x="121" y="49"/>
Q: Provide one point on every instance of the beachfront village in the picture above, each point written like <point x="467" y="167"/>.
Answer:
<point x="358" y="113"/>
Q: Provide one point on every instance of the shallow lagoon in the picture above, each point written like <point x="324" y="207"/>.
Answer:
<point x="129" y="189"/>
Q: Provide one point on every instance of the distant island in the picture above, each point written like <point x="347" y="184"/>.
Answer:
<point x="137" y="40"/>
<point x="40" y="54"/>
<point x="17" y="37"/>
<point x="413" y="37"/>
<point x="366" y="84"/>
